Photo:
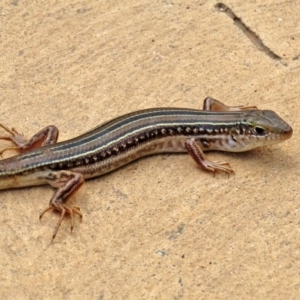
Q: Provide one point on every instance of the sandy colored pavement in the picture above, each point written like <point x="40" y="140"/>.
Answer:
<point x="159" y="228"/>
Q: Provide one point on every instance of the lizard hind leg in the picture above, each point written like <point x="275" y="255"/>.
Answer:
<point x="46" y="136"/>
<point x="67" y="182"/>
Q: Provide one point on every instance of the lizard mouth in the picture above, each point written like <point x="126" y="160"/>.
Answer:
<point x="287" y="132"/>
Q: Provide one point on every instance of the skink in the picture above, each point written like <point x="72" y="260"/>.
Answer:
<point x="65" y="165"/>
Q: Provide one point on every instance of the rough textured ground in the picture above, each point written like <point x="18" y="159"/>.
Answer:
<point x="159" y="228"/>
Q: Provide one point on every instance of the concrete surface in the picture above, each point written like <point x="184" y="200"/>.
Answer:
<point x="159" y="228"/>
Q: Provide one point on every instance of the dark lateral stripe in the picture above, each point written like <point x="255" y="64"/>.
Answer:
<point x="149" y="123"/>
<point x="135" y="122"/>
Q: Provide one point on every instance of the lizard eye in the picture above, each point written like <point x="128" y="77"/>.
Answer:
<point x="259" y="130"/>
